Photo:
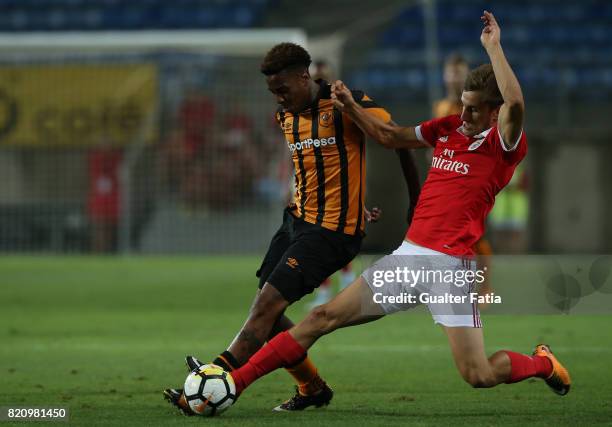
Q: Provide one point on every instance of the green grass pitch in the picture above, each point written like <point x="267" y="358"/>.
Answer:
<point x="104" y="336"/>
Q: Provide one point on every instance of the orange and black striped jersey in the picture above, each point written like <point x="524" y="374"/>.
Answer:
<point x="328" y="154"/>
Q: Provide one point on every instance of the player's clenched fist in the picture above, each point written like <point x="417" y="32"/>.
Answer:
<point x="341" y="95"/>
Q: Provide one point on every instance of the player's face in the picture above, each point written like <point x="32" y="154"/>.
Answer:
<point x="291" y="90"/>
<point x="477" y="115"/>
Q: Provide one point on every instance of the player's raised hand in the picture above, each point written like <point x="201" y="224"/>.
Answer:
<point x="490" y="33"/>
<point x="341" y="95"/>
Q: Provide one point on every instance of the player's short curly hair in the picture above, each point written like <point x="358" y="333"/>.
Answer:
<point x="284" y="56"/>
<point x="482" y="79"/>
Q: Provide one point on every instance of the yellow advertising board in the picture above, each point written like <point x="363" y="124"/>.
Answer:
<point x="67" y="105"/>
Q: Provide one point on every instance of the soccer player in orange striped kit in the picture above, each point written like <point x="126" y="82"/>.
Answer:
<point x="322" y="227"/>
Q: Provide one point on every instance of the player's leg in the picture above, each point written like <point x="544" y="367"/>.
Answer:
<point x="352" y="306"/>
<point x="467" y="346"/>
<point x="484" y="255"/>
<point x="240" y="350"/>
<point x="283" y="323"/>
<point x="363" y="301"/>
<point x="461" y="322"/>
<point x="268" y="306"/>
<point x="243" y="344"/>
<point x="304" y="372"/>
<point x="341" y="311"/>
<point x="313" y="255"/>
<point x="240" y="345"/>
<point x="227" y="360"/>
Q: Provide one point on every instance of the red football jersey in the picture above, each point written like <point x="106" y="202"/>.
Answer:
<point x="465" y="176"/>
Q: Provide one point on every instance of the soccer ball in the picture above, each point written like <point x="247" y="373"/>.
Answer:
<point x="209" y="390"/>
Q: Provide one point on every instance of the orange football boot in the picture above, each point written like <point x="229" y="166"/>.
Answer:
<point x="559" y="380"/>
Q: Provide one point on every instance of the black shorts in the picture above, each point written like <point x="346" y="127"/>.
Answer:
<point x="302" y="255"/>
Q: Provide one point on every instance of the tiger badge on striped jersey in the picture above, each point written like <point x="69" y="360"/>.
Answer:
<point x="325" y="119"/>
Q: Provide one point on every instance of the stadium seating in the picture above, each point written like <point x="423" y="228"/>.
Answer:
<point x="70" y="15"/>
<point x="548" y="44"/>
<point x="535" y="36"/>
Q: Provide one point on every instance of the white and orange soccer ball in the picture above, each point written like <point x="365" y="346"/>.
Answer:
<point x="209" y="390"/>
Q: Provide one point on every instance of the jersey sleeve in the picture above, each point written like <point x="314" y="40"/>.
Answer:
<point x="431" y="130"/>
<point x="370" y="106"/>
<point x="511" y="153"/>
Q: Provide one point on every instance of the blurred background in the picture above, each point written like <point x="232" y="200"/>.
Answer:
<point x="145" y="127"/>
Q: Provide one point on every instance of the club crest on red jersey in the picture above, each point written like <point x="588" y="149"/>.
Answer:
<point x="474" y="145"/>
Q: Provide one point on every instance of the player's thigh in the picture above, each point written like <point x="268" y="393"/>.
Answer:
<point x="390" y="291"/>
<point x="354" y="305"/>
<point x="269" y="303"/>
<point x="311" y="258"/>
<point x="467" y="348"/>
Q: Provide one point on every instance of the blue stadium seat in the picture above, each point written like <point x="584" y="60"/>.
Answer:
<point x="548" y="43"/>
<point x="243" y="16"/>
<point x="19" y="20"/>
<point x="61" y="15"/>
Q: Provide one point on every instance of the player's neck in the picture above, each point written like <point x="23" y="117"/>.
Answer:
<point x="314" y="91"/>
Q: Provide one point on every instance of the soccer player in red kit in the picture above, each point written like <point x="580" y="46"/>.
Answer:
<point x="474" y="157"/>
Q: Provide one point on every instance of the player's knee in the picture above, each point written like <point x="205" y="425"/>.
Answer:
<point x="268" y="304"/>
<point x="323" y="319"/>
<point x="261" y="311"/>
<point x="477" y="378"/>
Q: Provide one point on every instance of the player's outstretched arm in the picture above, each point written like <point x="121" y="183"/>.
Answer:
<point x="511" y="113"/>
<point x="389" y="135"/>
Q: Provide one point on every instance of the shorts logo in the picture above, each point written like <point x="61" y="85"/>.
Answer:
<point x="443" y="139"/>
<point x="325" y="119"/>
<point x="292" y="262"/>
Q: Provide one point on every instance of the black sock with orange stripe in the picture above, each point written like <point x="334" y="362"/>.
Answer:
<point x="305" y="374"/>
<point x="227" y="361"/>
